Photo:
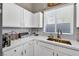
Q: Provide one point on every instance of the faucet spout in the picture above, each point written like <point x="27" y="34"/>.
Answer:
<point x="59" y="33"/>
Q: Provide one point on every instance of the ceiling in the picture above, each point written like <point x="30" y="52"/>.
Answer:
<point x="34" y="7"/>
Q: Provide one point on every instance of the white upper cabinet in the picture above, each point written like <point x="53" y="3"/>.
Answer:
<point x="65" y="14"/>
<point x="65" y="18"/>
<point x="77" y="21"/>
<point x="20" y="16"/>
<point x="16" y="16"/>
<point x="37" y="20"/>
<point x="27" y="18"/>
<point x="59" y="19"/>
<point x="11" y="15"/>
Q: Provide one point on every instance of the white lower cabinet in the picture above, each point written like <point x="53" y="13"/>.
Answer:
<point x="28" y="49"/>
<point x="43" y="51"/>
<point x="22" y="50"/>
<point x="40" y="48"/>
<point x="14" y="52"/>
<point x="47" y="49"/>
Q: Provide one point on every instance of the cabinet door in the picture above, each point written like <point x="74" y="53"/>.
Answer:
<point x="65" y="18"/>
<point x="26" y="49"/>
<point x="77" y="21"/>
<point x="49" y="21"/>
<point x="10" y="15"/>
<point x="31" y="48"/>
<point x="13" y="52"/>
<point x="44" y="51"/>
<point x="20" y="16"/>
<point x="27" y="18"/>
<point x="38" y="20"/>
<point x="36" y="47"/>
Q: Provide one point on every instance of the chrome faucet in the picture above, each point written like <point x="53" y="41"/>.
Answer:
<point x="59" y="33"/>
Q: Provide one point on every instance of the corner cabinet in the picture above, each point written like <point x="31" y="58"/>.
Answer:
<point x="59" y="19"/>
<point x="37" y="20"/>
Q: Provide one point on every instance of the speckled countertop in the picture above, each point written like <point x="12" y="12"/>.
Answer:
<point x="74" y="46"/>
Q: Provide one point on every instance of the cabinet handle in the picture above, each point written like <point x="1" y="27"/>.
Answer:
<point x="22" y="53"/>
<point x="53" y="53"/>
<point x="25" y="51"/>
<point x="57" y="54"/>
<point x="14" y="50"/>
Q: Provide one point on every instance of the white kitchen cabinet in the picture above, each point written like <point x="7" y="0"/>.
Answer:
<point x="65" y="18"/>
<point x="10" y="15"/>
<point x="16" y="16"/>
<point x="58" y="51"/>
<point x="14" y="52"/>
<point x="27" y="18"/>
<point x="31" y="48"/>
<point x="36" y="46"/>
<point x="59" y="19"/>
<point x="44" y="51"/>
<point x="77" y="15"/>
<point x="20" y="16"/>
<point x="37" y="20"/>
<point x="28" y="49"/>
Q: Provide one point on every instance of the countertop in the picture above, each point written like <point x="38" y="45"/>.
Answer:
<point x="74" y="46"/>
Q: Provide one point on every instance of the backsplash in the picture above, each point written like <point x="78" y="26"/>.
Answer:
<point x="18" y="30"/>
<point x="40" y="31"/>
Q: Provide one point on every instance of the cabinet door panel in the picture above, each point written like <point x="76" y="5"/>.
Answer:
<point x="65" y="14"/>
<point x="20" y="16"/>
<point x="10" y="15"/>
<point x="65" y="18"/>
<point x="43" y="51"/>
<point x="27" y="18"/>
<point x="26" y="50"/>
<point x="38" y="20"/>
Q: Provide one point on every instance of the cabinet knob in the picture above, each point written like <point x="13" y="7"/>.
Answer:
<point x="25" y="51"/>
<point x="57" y="54"/>
<point x="22" y="53"/>
<point x="14" y="50"/>
<point x="53" y="53"/>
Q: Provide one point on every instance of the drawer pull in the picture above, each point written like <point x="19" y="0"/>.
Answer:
<point x="57" y="54"/>
<point x="22" y="53"/>
<point x="25" y="51"/>
<point x="53" y="53"/>
<point x="14" y="50"/>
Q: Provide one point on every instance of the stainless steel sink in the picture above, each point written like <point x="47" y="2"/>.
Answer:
<point x="60" y="41"/>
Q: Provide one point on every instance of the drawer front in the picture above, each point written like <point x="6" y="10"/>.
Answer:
<point x="45" y="44"/>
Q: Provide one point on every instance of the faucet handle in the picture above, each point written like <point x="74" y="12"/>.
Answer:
<point x="61" y="32"/>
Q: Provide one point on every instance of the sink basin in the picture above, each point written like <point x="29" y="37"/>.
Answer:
<point x="60" y="41"/>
